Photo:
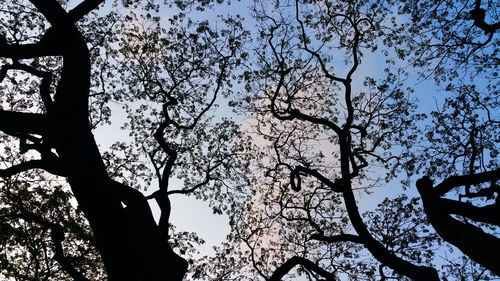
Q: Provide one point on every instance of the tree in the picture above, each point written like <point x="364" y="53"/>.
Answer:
<point x="61" y="90"/>
<point x="323" y="131"/>
<point x="308" y="98"/>
<point x="36" y="234"/>
<point x="462" y="146"/>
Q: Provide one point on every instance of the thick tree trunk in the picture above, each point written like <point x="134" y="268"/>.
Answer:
<point x="480" y="246"/>
<point x="127" y="237"/>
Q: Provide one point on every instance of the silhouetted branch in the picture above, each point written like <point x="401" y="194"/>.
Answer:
<point x="313" y="53"/>
<point x="482" y="247"/>
<point x="486" y="214"/>
<point x="52" y="11"/>
<point x="337" y="238"/>
<point x="57" y="235"/>
<point x="21" y="122"/>
<point x="422" y="273"/>
<point x="49" y="166"/>
<point x="294" y="261"/>
<point x="335" y="185"/>
<point x="478" y="15"/>
<point x="83" y="9"/>
<point x="456" y="181"/>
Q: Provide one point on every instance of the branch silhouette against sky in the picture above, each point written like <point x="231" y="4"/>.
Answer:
<point x="340" y="140"/>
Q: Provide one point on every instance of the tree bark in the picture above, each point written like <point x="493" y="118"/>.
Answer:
<point x="128" y="238"/>
<point x="480" y="246"/>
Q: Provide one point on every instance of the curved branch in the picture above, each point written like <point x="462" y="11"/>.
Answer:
<point x="415" y="272"/>
<point x="220" y="79"/>
<point x="49" y="166"/>
<point x="172" y="155"/>
<point x="295" y="113"/>
<point x="57" y="236"/>
<point x="471" y="240"/>
<point x="83" y="9"/>
<point x="336" y="185"/>
<point x="55" y="15"/>
<point x="52" y="11"/>
<point x="294" y="261"/>
<point x="486" y="214"/>
<point x="478" y="15"/>
<point x="313" y="53"/>
<point x="456" y="181"/>
<point x="337" y="238"/>
<point x="205" y="181"/>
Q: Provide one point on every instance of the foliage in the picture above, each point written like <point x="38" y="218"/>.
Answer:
<point x="447" y="39"/>
<point x="326" y="90"/>
<point x="169" y="89"/>
<point x="321" y="132"/>
<point x="29" y="221"/>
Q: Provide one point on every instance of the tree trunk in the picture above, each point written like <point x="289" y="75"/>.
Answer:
<point x="480" y="246"/>
<point x="127" y="237"/>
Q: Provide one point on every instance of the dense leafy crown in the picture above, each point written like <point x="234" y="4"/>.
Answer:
<point x="288" y="119"/>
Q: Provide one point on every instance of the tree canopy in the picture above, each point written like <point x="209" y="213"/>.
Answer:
<point x="327" y="111"/>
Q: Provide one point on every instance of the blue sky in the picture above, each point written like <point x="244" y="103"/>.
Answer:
<point x="189" y="214"/>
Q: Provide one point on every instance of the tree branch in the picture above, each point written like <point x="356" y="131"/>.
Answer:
<point x="337" y="238"/>
<point x="25" y="123"/>
<point x="83" y="9"/>
<point x="336" y="186"/>
<point x="294" y="261"/>
<point x="57" y="235"/>
<point x="313" y="53"/>
<point x="486" y="214"/>
<point x="52" y="11"/>
<point x="49" y="166"/>
<point x="455" y="181"/>
<point x="415" y="272"/>
<point x="478" y="15"/>
<point x="55" y="14"/>
<point x="471" y="240"/>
